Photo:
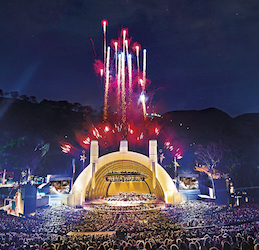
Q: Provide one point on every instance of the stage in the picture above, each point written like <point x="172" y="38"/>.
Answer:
<point x="101" y="205"/>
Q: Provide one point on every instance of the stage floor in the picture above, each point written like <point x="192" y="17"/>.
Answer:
<point x="123" y="206"/>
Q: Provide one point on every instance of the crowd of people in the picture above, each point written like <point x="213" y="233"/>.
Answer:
<point x="198" y="213"/>
<point x="189" y="225"/>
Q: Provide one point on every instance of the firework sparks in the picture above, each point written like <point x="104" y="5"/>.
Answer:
<point x="176" y="152"/>
<point x="143" y="101"/>
<point x="123" y="89"/>
<point x="116" y="56"/>
<point x="124" y="32"/>
<point x="119" y="84"/>
<point x="66" y="148"/>
<point x="144" y="69"/>
<point x="96" y="133"/>
<point x="130" y="79"/>
<point x="137" y="54"/>
<point x="104" y="23"/>
<point x="87" y="141"/>
<point x="105" y="115"/>
<point x="121" y="76"/>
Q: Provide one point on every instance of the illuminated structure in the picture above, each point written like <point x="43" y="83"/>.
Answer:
<point x="123" y="171"/>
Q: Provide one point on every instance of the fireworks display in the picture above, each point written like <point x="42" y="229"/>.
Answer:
<point x="66" y="148"/>
<point x="125" y="101"/>
<point x="123" y="77"/>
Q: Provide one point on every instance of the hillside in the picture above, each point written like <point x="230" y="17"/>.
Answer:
<point x="55" y="123"/>
<point x="40" y="123"/>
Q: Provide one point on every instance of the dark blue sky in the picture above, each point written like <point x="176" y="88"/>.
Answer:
<point x="201" y="54"/>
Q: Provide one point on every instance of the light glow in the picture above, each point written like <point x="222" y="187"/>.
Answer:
<point x="66" y="148"/>
<point x="87" y="141"/>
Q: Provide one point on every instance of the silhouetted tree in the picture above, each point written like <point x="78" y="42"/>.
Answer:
<point x="88" y="110"/>
<point x="24" y="98"/>
<point x="33" y="99"/>
<point x="210" y="155"/>
<point x="63" y="104"/>
<point x="14" y="94"/>
<point x="50" y="103"/>
<point x="76" y="106"/>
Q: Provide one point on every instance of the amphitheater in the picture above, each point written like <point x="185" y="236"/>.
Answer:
<point x="123" y="171"/>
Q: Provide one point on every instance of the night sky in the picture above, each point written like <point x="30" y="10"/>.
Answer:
<point x="200" y="53"/>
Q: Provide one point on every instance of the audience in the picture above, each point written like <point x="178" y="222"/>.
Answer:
<point x="190" y="225"/>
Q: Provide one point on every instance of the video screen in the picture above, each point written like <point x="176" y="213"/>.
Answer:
<point x="59" y="187"/>
<point x="188" y="182"/>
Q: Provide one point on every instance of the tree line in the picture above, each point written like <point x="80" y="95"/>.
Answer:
<point x="15" y="95"/>
<point x="77" y="107"/>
